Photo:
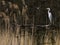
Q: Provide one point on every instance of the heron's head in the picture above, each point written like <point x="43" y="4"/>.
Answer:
<point x="48" y="9"/>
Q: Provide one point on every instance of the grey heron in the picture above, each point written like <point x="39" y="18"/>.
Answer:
<point x="49" y="15"/>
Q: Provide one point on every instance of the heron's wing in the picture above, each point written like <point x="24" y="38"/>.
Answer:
<point x="50" y="16"/>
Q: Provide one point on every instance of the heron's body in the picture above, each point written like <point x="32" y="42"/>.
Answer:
<point x="49" y="15"/>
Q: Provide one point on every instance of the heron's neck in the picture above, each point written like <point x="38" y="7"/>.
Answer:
<point x="48" y="11"/>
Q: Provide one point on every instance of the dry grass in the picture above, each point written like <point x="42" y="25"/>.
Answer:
<point x="8" y="38"/>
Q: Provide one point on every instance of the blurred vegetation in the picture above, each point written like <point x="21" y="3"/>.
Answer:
<point x="31" y="13"/>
